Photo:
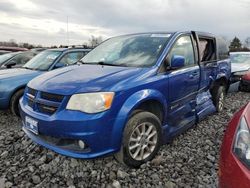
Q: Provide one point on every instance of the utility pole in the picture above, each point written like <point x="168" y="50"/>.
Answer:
<point x="67" y="30"/>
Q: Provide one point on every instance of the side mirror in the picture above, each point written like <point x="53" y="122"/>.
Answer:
<point x="177" y="61"/>
<point x="59" y="65"/>
<point x="10" y="64"/>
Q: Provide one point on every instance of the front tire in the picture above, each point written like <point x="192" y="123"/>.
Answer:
<point x="14" y="102"/>
<point x="141" y="139"/>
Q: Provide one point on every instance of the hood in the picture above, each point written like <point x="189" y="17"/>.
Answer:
<point x="238" y="67"/>
<point x="82" y="78"/>
<point x="17" y="73"/>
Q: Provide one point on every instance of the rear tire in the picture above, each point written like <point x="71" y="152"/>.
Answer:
<point x="218" y="94"/>
<point x="14" y="102"/>
<point x="141" y="139"/>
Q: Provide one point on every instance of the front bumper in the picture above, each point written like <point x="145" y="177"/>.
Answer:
<point x="95" y="130"/>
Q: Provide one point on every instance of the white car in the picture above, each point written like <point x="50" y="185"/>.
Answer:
<point x="240" y="61"/>
<point x="240" y="65"/>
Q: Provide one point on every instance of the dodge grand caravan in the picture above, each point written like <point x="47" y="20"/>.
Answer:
<point x="128" y="96"/>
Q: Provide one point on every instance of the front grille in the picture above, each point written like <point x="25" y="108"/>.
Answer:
<point x="32" y="92"/>
<point x="30" y="102"/>
<point x="43" y="102"/>
<point x="52" y="97"/>
<point x="46" y="109"/>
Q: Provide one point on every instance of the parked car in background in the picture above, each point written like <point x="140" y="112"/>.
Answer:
<point x="240" y="61"/>
<point x="240" y="64"/>
<point x="131" y="94"/>
<point x="13" y="81"/>
<point x="37" y="50"/>
<point x="13" y="49"/>
<point x="15" y="59"/>
<point x="234" y="168"/>
<point x="4" y="52"/>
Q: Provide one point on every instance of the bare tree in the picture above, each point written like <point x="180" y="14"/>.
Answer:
<point x="13" y="43"/>
<point x="94" y="41"/>
<point x="247" y="42"/>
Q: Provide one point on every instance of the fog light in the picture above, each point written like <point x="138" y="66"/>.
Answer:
<point x="81" y="144"/>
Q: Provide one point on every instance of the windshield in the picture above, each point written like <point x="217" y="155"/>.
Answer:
<point x="43" y="60"/>
<point x="131" y="50"/>
<point x="5" y="57"/>
<point x="240" y="58"/>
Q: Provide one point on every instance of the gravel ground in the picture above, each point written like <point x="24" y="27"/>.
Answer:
<point x="191" y="160"/>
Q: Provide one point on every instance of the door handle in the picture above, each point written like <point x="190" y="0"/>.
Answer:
<point x="193" y="74"/>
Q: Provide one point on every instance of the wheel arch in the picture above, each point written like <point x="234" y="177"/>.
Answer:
<point x="153" y="106"/>
<point x="141" y="100"/>
<point x="220" y="81"/>
<point x="14" y="91"/>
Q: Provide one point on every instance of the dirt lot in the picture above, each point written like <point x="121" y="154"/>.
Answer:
<point x="191" y="160"/>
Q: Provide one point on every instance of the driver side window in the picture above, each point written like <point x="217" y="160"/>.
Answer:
<point x="71" y="57"/>
<point x="183" y="47"/>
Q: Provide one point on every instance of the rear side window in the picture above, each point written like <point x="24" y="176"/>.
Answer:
<point x="207" y="49"/>
<point x="223" y="50"/>
<point x="183" y="47"/>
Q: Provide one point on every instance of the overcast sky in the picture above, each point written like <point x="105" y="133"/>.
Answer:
<point x="45" y="21"/>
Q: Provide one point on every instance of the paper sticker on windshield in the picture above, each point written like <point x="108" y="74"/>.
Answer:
<point x="161" y="35"/>
<point x="51" y="57"/>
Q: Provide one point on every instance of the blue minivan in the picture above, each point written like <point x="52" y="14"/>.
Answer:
<point x="128" y="96"/>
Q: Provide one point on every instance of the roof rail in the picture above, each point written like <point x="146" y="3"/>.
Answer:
<point x="75" y="46"/>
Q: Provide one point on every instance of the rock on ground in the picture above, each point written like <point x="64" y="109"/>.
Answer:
<point x="191" y="160"/>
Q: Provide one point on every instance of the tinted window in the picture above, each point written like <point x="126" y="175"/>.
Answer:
<point x="71" y="58"/>
<point x="132" y="50"/>
<point x="183" y="47"/>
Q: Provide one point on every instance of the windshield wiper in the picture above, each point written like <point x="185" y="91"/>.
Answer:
<point x="105" y="63"/>
<point x="99" y="63"/>
<point x="79" y="61"/>
<point x="28" y="68"/>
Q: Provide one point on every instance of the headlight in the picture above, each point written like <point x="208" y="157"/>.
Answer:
<point x="242" y="142"/>
<point x="91" y="102"/>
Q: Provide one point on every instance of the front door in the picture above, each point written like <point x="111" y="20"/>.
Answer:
<point x="183" y="84"/>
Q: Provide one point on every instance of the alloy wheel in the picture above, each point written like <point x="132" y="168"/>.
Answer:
<point x="142" y="141"/>
<point x="221" y="101"/>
